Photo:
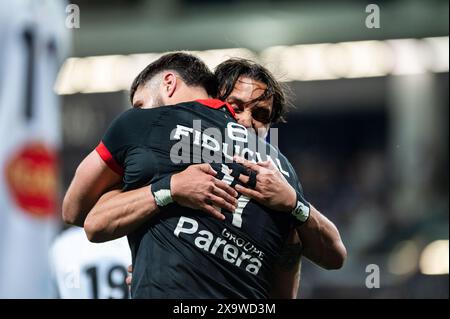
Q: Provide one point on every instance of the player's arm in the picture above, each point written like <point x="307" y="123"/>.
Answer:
<point x="118" y="213"/>
<point x="92" y="179"/>
<point x="101" y="170"/>
<point x="321" y="240"/>
<point x="286" y="272"/>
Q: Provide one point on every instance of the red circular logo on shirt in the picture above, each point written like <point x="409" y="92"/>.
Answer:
<point x="31" y="176"/>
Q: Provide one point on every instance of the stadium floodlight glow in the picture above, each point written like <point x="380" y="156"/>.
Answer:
<point x="104" y="75"/>
<point x="438" y="54"/>
<point x="307" y="62"/>
<point x="404" y="258"/>
<point x="111" y="73"/>
<point x="213" y="58"/>
<point x="434" y="258"/>
<point x="313" y="57"/>
<point x="271" y="58"/>
<point x="366" y="59"/>
<point x="87" y="75"/>
<point x="299" y="62"/>
<point x="65" y="82"/>
<point x="409" y="57"/>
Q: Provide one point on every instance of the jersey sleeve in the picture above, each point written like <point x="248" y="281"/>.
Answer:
<point x="126" y="131"/>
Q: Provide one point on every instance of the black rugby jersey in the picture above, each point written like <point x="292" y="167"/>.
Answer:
<point x="184" y="253"/>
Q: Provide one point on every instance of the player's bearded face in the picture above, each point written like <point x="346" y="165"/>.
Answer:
<point x="249" y="112"/>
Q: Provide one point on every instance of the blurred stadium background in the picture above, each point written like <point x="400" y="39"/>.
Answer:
<point x="368" y="136"/>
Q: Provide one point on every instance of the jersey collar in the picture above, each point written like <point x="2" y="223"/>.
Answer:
<point x="217" y="104"/>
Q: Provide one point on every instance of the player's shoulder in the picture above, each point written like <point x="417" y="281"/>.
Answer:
<point x="282" y="157"/>
<point x="183" y="106"/>
<point x="180" y="112"/>
<point x="285" y="160"/>
<point x="275" y="153"/>
<point x="207" y="106"/>
<point x="136" y="115"/>
<point x="188" y="104"/>
<point x="284" y="163"/>
<point x="133" y="122"/>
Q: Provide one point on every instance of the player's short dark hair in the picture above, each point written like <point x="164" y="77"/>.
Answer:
<point x="191" y="69"/>
<point x="228" y="72"/>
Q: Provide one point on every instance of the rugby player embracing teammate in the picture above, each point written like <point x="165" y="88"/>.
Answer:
<point x="259" y="223"/>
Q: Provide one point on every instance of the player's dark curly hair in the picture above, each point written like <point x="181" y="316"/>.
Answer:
<point x="191" y="69"/>
<point x="228" y="72"/>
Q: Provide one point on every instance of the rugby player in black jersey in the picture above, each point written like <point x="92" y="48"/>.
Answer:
<point x="258" y="197"/>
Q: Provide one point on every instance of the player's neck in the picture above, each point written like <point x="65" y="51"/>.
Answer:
<point x="191" y="94"/>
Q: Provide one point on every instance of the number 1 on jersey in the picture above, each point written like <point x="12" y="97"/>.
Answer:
<point x="242" y="200"/>
<point x="237" y="214"/>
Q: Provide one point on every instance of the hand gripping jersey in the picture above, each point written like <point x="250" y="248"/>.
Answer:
<point x="184" y="253"/>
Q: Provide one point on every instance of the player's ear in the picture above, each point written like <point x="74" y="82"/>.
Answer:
<point x="170" y="83"/>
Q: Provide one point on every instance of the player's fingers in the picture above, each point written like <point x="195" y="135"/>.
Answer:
<point x="128" y="280"/>
<point x="249" y="192"/>
<point x="248" y="164"/>
<point x="227" y="188"/>
<point x="220" y="202"/>
<point x="207" y="169"/>
<point x="227" y="197"/>
<point x="212" y="211"/>
<point x="266" y="164"/>
<point x="244" y="178"/>
<point x="130" y="269"/>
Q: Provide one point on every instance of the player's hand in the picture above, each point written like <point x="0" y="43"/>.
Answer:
<point x="129" y="276"/>
<point x="197" y="188"/>
<point x="272" y="189"/>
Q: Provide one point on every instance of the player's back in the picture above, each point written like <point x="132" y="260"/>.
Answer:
<point x="185" y="253"/>
<point x="85" y="270"/>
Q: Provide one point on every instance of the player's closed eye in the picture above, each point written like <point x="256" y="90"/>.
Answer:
<point x="236" y="107"/>
<point x="261" y="115"/>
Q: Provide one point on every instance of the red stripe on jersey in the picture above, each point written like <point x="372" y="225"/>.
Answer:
<point x="217" y="104"/>
<point x="108" y="158"/>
